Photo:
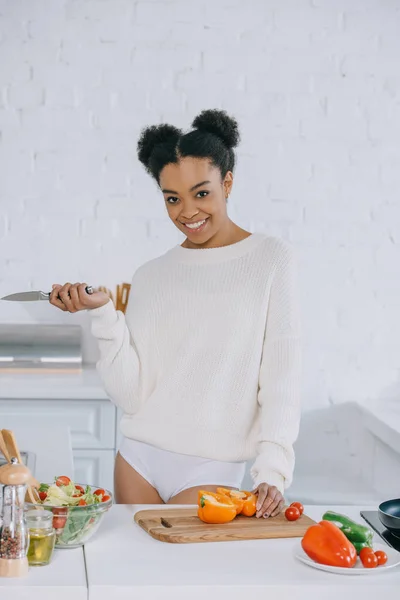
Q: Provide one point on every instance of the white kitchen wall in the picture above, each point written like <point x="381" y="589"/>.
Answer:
<point x="315" y="86"/>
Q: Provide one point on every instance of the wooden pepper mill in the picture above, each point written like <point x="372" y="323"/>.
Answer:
<point x="14" y="534"/>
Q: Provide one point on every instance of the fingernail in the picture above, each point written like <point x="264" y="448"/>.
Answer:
<point x="266" y="516"/>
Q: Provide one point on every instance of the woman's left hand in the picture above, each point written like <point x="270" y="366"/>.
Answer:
<point x="270" y="501"/>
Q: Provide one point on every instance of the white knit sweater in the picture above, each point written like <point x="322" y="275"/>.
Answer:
<point x="206" y="360"/>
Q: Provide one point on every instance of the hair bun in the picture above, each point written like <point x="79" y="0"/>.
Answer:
<point x="153" y="136"/>
<point x="219" y="123"/>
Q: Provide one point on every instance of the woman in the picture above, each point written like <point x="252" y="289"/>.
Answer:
<point x="205" y="364"/>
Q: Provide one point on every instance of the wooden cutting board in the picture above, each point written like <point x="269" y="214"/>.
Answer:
<point x="182" y="526"/>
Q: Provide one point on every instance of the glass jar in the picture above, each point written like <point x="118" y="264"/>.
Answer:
<point x="42" y="537"/>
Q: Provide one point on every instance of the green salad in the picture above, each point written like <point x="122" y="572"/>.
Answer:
<point x="64" y="492"/>
<point x="77" y="510"/>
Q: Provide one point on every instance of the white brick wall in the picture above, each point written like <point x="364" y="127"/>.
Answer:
<point x="316" y="87"/>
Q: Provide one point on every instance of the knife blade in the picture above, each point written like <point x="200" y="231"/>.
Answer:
<point x="35" y="295"/>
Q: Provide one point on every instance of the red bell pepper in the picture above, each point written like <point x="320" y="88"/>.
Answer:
<point x="326" y="544"/>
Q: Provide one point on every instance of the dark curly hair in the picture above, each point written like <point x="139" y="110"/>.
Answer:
<point x="214" y="136"/>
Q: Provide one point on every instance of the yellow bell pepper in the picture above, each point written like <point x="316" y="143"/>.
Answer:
<point x="215" y="508"/>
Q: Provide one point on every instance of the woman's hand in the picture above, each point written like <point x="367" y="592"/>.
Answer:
<point x="270" y="501"/>
<point x="73" y="297"/>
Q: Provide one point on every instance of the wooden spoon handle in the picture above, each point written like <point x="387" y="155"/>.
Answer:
<point x="3" y="448"/>
<point x="11" y="444"/>
<point x="13" y="451"/>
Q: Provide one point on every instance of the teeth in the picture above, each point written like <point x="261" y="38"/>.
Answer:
<point x="195" y="225"/>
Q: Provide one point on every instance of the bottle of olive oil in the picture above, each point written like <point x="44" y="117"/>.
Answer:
<point x="42" y="537"/>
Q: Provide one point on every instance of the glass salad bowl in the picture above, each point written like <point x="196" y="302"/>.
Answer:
<point x="75" y="523"/>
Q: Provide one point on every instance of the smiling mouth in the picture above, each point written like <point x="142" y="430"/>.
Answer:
<point x="197" y="226"/>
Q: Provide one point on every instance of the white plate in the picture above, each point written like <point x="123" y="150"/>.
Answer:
<point x="392" y="561"/>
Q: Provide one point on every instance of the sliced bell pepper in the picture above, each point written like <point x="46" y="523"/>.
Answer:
<point x="215" y="508"/>
<point x="245" y="501"/>
<point x="228" y="492"/>
<point x="249" y="506"/>
<point x="359" y="535"/>
<point x="326" y="544"/>
<point x="236" y="497"/>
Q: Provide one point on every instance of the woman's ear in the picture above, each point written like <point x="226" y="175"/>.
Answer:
<point x="228" y="182"/>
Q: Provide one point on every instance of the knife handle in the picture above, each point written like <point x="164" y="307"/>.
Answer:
<point x="89" y="290"/>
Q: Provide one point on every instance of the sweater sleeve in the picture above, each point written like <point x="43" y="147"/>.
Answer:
<point x="118" y="365"/>
<point x="280" y="378"/>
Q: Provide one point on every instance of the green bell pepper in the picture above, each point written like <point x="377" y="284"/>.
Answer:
<point x="359" y="535"/>
<point x="360" y="545"/>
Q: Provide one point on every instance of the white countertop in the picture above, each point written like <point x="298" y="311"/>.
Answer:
<point x="383" y="420"/>
<point x="63" y="579"/>
<point x="123" y="562"/>
<point x="58" y="386"/>
<point x="124" y="559"/>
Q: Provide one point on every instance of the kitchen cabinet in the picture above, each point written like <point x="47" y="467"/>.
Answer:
<point x="75" y="401"/>
<point x="358" y="458"/>
<point x="91" y="422"/>
<point x="95" y="467"/>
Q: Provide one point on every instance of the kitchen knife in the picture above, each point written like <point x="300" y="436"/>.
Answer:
<point x="34" y="296"/>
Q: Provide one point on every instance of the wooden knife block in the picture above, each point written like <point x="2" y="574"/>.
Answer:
<point x="121" y="296"/>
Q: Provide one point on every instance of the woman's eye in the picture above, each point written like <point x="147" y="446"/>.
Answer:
<point x="172" y="200"/>
<point x="203" y="194"/>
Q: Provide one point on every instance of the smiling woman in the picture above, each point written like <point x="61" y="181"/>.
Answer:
<point x="195" y="174"/>
<point x="205" y="363"/>
<point x="198" y="211"/>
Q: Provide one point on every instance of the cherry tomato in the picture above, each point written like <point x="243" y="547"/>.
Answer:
<point x="59" y="522"/>
<point x="82" y="502"/>
<point x="365" y="551"/>
<point x="368" y="559"/>
<point x="60" y="517"/>
<point x="80" y="489"/>
<point x="60" y="510"/>
<point x="381" y="556"/>
<point x="99" y="492"/>
<point x="63" y="480"/>
<point x="105" y="498"/>
<point x="42" y="496"/>
<point x="292" y="513"/>
<point x="299" y="506"/>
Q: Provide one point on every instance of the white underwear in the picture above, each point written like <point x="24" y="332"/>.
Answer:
<point x="171" y="473"/>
